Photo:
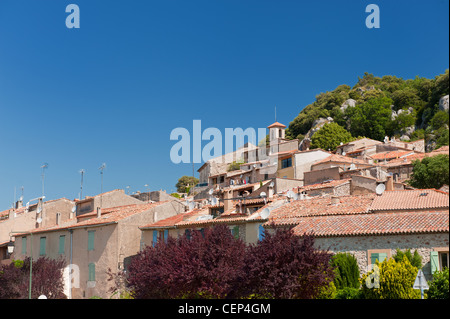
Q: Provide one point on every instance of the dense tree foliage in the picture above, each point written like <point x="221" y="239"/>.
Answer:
<point x="215" y="264"/>
<point x="439" y="288"/>
<point x="330" y="136"/>
<point x="376" y="98"/>
<point x="415" y="259"/>
<point x="185" y="183"/>
<point x="430" y="172"/>
<point x="47" y="279"/>
<point x="347" y="271"/>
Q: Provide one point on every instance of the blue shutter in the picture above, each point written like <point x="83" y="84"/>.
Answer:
<point x="166" y="235"/>
<point x="155" y="237"/>
<point x="261" y="232"/>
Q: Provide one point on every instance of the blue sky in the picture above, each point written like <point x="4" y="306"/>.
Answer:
<point x="113" y="90"/>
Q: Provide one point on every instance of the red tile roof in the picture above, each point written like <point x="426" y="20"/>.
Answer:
<point x="410" y="200"/>
<point x="276" y="124"/>
<point x="374" y="224"/>
<point x="332" y="183"/>
<point x="341" y="159"/>
<point x="292" y="213"/>
<point x="391" y="155"/>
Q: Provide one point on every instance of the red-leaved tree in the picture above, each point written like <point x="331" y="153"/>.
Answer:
<point x="205" y="266"/>
<point x="285" y="266"/>
<point x="47" y="279"/>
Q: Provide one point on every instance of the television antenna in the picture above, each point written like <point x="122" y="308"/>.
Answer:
<point x="44" y="167"/>
<point x="82" y="171"/>
<point x="101" y="168"/>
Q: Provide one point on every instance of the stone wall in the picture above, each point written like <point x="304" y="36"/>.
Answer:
<point x="359" y="246"/>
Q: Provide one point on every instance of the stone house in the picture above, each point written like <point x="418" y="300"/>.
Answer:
<point x="93" y="243"/>
<point x="373" y="226"/>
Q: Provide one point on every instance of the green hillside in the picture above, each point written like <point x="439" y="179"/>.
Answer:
<point x="376" y="107"/>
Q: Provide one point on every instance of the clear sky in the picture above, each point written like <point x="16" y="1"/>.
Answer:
<point x="113" y="90"/>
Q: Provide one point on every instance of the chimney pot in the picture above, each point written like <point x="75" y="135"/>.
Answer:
<point x="99" y="212"/>
<point x="335" y="200"/>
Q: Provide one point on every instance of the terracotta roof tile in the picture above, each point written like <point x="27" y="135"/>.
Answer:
<point x="276" y="124"/>
<point x="293" y="212"/>
<point x="374" y="224"/>
<point x="341" y="159"/>
<point x="410" y="199"/>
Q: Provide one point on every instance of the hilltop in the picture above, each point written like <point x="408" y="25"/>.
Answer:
<point x="376" y="107"/>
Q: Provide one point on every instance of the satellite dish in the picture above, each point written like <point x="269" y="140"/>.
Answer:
<point x="74" y="208"/>
<point x="39" y="220"/>
<point x="39" y="210"/>
<point x="271" y="184"/>
<point x="380" y="189"/>
<point x="28" y="205"/>
<point x="210" y="191"/>
<point x="42" y="297"/>
<point x="21" y="198"/>
<point x="290" y="194"/>
<point x="263" y="194"/>
<point x="265" y="213"/>
<point x="343" y="153"/>
<point x="296" y="196"/>
<point x="214" y="201"/>
<point x="352" y="166"/>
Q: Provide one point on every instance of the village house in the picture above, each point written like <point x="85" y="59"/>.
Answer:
<point x="94" y="242"/>
<point x="372" y="227"/>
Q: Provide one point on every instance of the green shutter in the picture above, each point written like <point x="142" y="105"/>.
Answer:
<point x="91" y="236"/>
<point x="91" y="272"/>
<point x="62" y="242"/>
<point x="374" y="257"/>
<point x="42" y="246"/>
<point x="382" y="257"/>
<point x="434" y="261"/>
<point x="24" y="245"/>
<point x="235" y="232"/>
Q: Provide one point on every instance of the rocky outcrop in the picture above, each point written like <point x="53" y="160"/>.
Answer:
<point x="348" y="103"/>
<point x="317" y="125"/>
<point x="443" y="103"/>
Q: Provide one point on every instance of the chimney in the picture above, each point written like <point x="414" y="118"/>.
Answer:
<point x="58" y="219"/>
<point x="335" y="200"/>
<point x="271" y="190"/>
<point x="227" y="202"/>
<point x="19" y="204"/>
<point x="390" y="183"/>
<point x="99" y="212"/>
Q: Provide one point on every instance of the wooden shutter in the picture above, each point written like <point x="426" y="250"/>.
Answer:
<point x="91" y="272"/>
<point x="91" y="238"/>
<point x="235" y="232"/>
<point x="24" y="245"/>
<point x="62" y="242"/>
<point x="42" y="246"/>
<point x="434" y="261"/>
<point x="155" y="237"/>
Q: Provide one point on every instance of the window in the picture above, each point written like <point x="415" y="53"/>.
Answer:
<point x="166" y="235"/>
<point x="42" y="245"/>
<point x="287" y="162"/>
<point x="91" y="276"/>
<point x="24" y="245"/>
<point x="62" y="242"/>
<point x="377" y="256"/>
<point x="91" y="236"/>
<point x="439" y="260"/>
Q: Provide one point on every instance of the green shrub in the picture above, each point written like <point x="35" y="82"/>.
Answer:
<point x="396" y="280"/>
<point x="348" y="293"/>
<point x="346" y="271"/>
<point x="439" y="288"/>
<point x="415" y="260"/>
<point x="327" y="291"/>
